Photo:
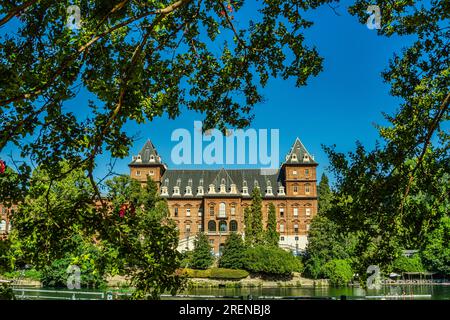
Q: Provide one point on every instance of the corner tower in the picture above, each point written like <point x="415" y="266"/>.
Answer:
<point x="147" y="163"/>
<point x="299" y="170"/>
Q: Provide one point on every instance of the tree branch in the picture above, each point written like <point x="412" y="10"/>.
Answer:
<point x="16" y="10"/>
<point x="434" y="125"/>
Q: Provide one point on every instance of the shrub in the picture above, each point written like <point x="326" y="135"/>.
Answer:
<point x="216" y="273"/>
<point x="271" y="261"/>
<point x="6" y="292"/>
<point x="408" y="264"/>
<point x="56" y="275"/>
<point x="228" y="274"/>
<point x="338" y="271"/>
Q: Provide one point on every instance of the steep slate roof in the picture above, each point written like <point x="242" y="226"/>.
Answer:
<point x="146" y="152"/>
<point x="183" y="178"/>
<point x="297" y="154"/>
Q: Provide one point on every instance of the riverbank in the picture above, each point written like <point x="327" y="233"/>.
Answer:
<point x="297" y="281"/>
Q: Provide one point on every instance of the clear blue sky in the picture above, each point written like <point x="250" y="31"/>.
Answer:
<point x="338" y="107"/>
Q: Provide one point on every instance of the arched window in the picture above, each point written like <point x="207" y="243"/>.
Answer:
<point x="222" y="212"/>
<point x="223" y="226"/>
<point x="212" y="226"/>
<point x="233" y="226"/>
<point x="307" y="188"/>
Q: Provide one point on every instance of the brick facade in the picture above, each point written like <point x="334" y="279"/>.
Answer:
<point x="213" y="201"/>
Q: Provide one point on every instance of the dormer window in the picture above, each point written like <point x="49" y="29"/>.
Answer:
<point x="244" y="187"/>
<point x="223" y="186"/>
<point x="138" y="158"/>
<point x="281" y="190"/>
<point x="269" y="191"/>
<point x="188" y="191"/>
<point x="294" y="157"/>
<point x="233" y="188"/>
<point x="200" y="190"/>
<point x="212" y="189"/>
<point x="176" y="191"/>
<point x="305" y="158"/>
<point x="164" y="191"/>
<point x="256" y="184"/>
<point x="152" y="158"/>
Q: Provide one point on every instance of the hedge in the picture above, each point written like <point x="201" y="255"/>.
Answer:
<point x="216" y="273"/>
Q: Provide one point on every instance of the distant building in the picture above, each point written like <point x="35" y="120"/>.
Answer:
<point x="5" y="223"/>
<point x="213" y="201"/>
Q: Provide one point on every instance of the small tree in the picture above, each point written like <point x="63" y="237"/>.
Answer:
<point x="271" y="234"/>
<point x="233" y="256"/>
<point x="248" y="226"/>
<point x="201" y="255"/>
<point x="338" y="271"/>
<point x="256" y="210"/>
<point x="324" y="194"/>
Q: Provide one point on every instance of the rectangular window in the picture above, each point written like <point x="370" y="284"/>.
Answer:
<point x="211" y="211"/>
<point x="211" y="242"/>
<point x="295" y="189"/>
<point x="295" y="212"/>
<point x="281" y="227"/>
<point x="281" y="238"/>
<point x="188" y="228"/>
<point x="295" y="228"/>
<point x="233" y="210"/>
<point x="188" y="212"/>
<point x="176" y="212"/>
<point x="294" y="172"/>
<point x="282" y="212"/>
<point x="306" y="172"/>
<point x="152" y="173"/>
<point x="200" y="212"/>
<point x="307" y="227"/>
<point x="199" y="227"/>
<point x="296" y="238"/>
<point x="138" y="173"/>
<point x="308" y="211"/>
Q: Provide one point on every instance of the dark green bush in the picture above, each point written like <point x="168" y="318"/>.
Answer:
<point x="271" y="261"/>
<point x="6" y="292"/>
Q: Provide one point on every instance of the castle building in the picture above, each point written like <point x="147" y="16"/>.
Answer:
<point x="213" y="201"/>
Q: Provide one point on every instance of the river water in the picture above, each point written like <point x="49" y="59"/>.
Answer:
<point x="437" y="292"/>
<point x="401" y="292"/>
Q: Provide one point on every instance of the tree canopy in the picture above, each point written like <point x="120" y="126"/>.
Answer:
<point x="139" y="61"/>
